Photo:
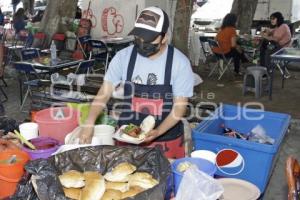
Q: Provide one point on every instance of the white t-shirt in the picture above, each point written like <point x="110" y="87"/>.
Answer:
<point x="152" y="72"/>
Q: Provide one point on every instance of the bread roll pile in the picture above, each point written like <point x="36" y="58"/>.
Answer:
<point x="122" y="182"/>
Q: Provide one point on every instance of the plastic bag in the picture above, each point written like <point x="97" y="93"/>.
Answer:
<point x="258" y="134"/>
<point x="196" y="185"/>
<point x="8" y="124"/>
<point x="97" y="158"/>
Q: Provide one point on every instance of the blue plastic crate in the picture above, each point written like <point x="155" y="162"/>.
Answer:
<point x="253" y="161"/>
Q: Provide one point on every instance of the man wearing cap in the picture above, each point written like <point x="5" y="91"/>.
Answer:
<point x="157" y="79"/>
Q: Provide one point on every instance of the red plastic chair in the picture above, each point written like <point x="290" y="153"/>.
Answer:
<point x="59" y="39"/>
<point x="41" y="39"/>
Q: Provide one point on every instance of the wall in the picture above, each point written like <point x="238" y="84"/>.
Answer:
<point x="112" y="18"/>
<point x="288" y="8"/>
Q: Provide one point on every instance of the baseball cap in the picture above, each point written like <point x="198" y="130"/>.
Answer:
<point x="151" y="22"/>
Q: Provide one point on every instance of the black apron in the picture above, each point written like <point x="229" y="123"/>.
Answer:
<point x="143" y="100"/>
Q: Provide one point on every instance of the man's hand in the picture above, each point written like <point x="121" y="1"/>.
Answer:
<point x="152" y="135"/>
<point x="96" y="108"/>
<point x="177" y="112"/>
<point x="86" y="134"/>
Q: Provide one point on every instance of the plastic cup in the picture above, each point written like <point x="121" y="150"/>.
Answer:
<point x="29" y="130"/>
<point x="205" y="154"/>
<point x="104" y="134"/>
<point x="238" y="32"/>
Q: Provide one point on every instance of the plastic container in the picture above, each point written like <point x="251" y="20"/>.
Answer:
<point x="29" y="130"/>
<point x="103" y="134"/>
<point x="57" y="128"/>
<point x="45" y="147"/>
<point x="205" y="154"/>
<point x="10" y="174"/>
<point x="202" y="164"/>
<point x="238" y="158"/>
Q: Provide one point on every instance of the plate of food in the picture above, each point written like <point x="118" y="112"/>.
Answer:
<point x="135" y="134"/>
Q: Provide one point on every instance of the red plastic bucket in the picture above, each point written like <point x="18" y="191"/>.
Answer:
<point x="56" y="127"/>
<point x="10" y="174"/>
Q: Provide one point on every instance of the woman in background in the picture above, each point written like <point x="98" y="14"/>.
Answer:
<point x="227" y="40"/>
<point x="19" y="25"/>
<point x="19" y="22"/>
<point x="275" y="38"/>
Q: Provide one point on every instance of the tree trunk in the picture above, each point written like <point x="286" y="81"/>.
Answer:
<point x="58" y="17"/>
<point x="245" y="10"/>
<point x="28" y="6"/>
<point x="181" y="25"/>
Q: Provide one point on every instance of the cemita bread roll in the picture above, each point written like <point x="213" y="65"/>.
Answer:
<point x="143" y="180"/>
<point x="112" y="195"/>
<point x="132" y="192"/>
<point x="146" y="126"/>
<point x="72" y="193"/>
<point x="120" y="173"/>
<point x="72" y="179"/>
<point x="123" y="187"/>
<point x="93" y="190"/>
<point x="90" y="175"/>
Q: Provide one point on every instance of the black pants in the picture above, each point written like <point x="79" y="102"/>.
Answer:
<point x="237" y="58"/>
<point x="265" y="53"/>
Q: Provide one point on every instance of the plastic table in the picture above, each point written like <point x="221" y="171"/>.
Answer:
<point x="282" y="57"/>
<point x="50" y="67"/>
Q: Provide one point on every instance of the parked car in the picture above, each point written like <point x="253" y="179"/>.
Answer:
<point x="207" y="26"/>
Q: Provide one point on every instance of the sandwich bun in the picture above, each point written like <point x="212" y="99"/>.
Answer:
<point x="143" y="180"/>
<point x="94" y="189"/>
<point x="72" y="179"/>
<point x="123" y="187"/>
<point x="147" y="124"/>
<point x="141" y="132"/>
<point x="112" y="195"/>
<point x="90" y="175"/>
<point x="132" y="192"/>
<point x="72" y="193"/>
<point x="120" y="173"/>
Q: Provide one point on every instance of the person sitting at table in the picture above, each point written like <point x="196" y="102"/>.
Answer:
<point x="227" y="40"/>
<point x="275" y="38"/>
<point x="19" y="22"/>
<point x="158" y="81"/>
<point x="19" y="25"/>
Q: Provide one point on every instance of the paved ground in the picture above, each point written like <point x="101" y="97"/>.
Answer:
<point x="229" y="90"/>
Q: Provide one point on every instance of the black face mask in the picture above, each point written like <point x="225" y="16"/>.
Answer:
<point x="146" y="49"/>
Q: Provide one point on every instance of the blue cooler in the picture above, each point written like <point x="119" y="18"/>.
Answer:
<point x="239" y="158"/>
